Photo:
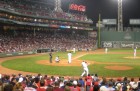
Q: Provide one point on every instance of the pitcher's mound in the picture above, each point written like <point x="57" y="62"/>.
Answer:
<point x="118" y="67"/>
<point x="132" y="57"/>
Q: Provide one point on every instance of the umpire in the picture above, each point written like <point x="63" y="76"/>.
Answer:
<point x="50" y="54"/>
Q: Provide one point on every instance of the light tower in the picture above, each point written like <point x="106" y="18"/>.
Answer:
<point x="120" y="16"/>
<point x="58" y="6"/>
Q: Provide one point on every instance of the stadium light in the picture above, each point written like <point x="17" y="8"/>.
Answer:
<point x="58" y="6"/>
<point x="120" y="16"/>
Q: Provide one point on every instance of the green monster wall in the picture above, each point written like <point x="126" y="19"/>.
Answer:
<point x="119" y="39"/>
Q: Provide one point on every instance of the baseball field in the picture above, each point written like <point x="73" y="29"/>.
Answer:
<point x="116" y="63"/>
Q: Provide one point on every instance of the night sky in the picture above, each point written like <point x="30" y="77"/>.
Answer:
<point x="108" y="9"/>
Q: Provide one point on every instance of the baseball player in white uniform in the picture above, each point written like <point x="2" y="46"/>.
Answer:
<point x="85" y="67"/>
<point x="69" y="57"/>
<point x="106" y="50"/>
<point x="135" y="52"/>
<point x="74" y="50"/>
<point x="57" y="59"/>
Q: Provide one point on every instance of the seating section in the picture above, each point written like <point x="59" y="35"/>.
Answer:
<point x="39" y="82"/>
<point x="28" y="40"/>
<point x="40" y="9"/>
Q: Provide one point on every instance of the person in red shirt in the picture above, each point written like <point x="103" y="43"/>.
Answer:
<point x="75" y="86"/>
<point x="42" y="86"/>
<point x="88" y="82"/>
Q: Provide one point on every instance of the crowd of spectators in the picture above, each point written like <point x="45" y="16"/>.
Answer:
<point x="39" y="82"/>
<point x="39" y="9"/>
<point x="40" y="21"/>
<point x="27" y="40"/>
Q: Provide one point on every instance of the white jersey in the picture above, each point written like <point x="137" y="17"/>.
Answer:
<point x="69" y="54"/>
<point x="135" y="50"/>
<point x="69" y="57"/>
<point x="74" y="50"/>
<point x="84" y="65"/>
<point x="57" y="59"/>
<point x="106" y="50"/>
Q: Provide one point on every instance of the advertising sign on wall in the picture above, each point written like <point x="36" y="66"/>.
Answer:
<point x="127" y="44"/>
<point x="116" y="44"/>
<point x="76" y="7"/>
<point x="107" y="44"/>
<point x="109" y="21"/>
<point x="134" y="21"/>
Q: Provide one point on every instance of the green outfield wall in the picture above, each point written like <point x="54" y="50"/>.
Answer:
<point x="16" y="54"/>
<point x="114" y="39"/>
<point x="25" y="53"/>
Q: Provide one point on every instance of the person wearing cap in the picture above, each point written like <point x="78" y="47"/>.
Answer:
<point x="85" y="67"/>
<point x="69" y="57"/>
<point x="57" y="59"/>
<point x="75" y="87"/>
<point x="135" y="52"/>
<point x="106" y="50"/>
<point x="74" y="50"/>
<point x="50" y="54"/>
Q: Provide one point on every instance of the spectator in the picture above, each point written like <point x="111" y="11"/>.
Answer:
<point x="42" y="86"/>
<point x="56" y="87"/>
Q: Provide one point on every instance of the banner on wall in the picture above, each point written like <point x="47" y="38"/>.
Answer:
<point x="107" y="44"/>
<point x="116" y="44"/>
<point x="137" y="44"/>
<point x="127" y="44"/>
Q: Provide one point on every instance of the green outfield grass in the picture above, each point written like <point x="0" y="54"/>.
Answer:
<point x="29" y="64"/>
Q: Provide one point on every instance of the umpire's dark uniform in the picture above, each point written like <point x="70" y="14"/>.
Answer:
<point x="50" y="54"/>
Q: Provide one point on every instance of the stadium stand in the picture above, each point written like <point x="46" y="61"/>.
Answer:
<point x="41" y="82"/>
<point x="26" y="40"/>
<point x="39" y="9"/>
<point x="28" y="25"/>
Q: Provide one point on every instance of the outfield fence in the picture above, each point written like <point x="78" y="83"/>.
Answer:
<point x="119" y="44"/>
<point x="16" y="54"/>
<point x="114" y="39"/>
